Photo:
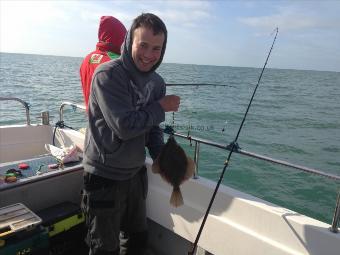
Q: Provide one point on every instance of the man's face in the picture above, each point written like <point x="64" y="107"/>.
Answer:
<point x="146" y="48"/>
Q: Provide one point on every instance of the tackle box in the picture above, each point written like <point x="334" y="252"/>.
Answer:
<point x="65" y="224"/>
<point x="21" y="232"/>
<point x="15" y="218"/>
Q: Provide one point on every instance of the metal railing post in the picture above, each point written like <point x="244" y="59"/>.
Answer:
<point x="196" y="158"/>
<point x="336" y="217"/>
<point x="26" y="105"/>
<point x="61" y="109"/>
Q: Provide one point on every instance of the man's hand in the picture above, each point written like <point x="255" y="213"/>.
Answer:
<point x="170" y="103"/>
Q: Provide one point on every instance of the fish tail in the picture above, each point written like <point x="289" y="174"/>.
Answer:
<point x="191" y="169"/>
<point x="176" y="198"/>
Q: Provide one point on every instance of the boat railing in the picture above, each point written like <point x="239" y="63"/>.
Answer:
<point x="25" y="104"/>
<point x="198" y="141"/>
<point x="238" y="150"/>
<point x="74" y="106"/>
<point x="336" y="217"/>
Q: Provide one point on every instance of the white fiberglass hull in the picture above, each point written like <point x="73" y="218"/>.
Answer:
<point x="238" y="223"/>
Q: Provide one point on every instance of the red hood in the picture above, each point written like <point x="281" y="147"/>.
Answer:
<point x="111" y="34"/>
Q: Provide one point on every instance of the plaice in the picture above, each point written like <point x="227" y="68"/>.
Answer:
<point x="175" y="167"/>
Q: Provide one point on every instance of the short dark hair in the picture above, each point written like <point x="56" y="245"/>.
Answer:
<point x="151" y="21"/>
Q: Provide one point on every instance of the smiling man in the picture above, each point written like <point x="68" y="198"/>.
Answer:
<point x="146" y="48"/>
<point x="127" y="103"/>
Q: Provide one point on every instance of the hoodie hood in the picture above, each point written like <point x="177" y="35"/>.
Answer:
<point x="127" y="59"/>
<point x="111" y="34"/>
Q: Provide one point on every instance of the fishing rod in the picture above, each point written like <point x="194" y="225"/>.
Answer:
<point x="234" y="146"/>
<point x="195" y="84"/>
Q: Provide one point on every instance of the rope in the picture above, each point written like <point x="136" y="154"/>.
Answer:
<point x="59" y="124"/>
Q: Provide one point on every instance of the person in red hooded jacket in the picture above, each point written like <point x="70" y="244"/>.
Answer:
<point x="111" y="34"/>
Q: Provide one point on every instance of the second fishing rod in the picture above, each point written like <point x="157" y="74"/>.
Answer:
<point x="234" y="146"/>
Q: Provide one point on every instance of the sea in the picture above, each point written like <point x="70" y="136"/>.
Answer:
<point x="295" y="117"/>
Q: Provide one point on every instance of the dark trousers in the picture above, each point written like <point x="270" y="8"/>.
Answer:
<point x="115" y="214"/>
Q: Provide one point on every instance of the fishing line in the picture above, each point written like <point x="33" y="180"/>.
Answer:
<point x="234" y="146"/>
<point x="190" y="117"/>
<point x="171" y="128"/>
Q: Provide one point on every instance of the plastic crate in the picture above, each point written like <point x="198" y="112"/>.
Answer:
<point x="21" y="232"/>
<point x="15" y="218"/>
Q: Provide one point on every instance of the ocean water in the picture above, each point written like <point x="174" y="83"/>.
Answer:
<point x="295" y="116"/>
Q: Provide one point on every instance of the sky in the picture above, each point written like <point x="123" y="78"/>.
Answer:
<point x="216" y="32"/>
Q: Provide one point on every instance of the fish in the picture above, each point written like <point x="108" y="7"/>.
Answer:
<point x="175" y="167"/>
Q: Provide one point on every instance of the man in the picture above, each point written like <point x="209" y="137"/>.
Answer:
<point x="127" y="104"/>
<point x="111" y="34"/>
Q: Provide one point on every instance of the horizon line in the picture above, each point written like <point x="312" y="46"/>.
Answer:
<point x="276" y="68"/>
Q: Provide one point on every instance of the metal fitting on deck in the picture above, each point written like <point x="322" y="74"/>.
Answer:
<point x="45" y="118"/>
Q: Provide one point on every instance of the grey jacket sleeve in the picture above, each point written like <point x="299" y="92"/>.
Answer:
<point x="116" y="105"/>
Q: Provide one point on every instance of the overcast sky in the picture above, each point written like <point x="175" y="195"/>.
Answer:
<point x="229" y="33"/>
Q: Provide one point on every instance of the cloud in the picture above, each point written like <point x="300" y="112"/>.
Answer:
<point x="175" y="13"/>
<point x="181" y="18"/>
<point x="302" y="16"/>
<point x="178" y="13"/>
<point x="24" y="13"/>
<point x="70" y="27"/>
<point x="287" y="22"/>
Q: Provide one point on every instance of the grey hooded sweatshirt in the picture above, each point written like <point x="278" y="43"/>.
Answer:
<point x="123" y="117"/>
